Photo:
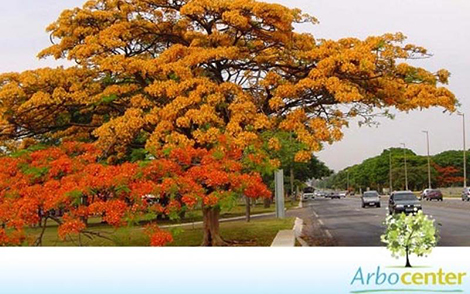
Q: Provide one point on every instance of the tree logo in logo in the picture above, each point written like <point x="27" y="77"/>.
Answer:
<point x="407" y="234"/>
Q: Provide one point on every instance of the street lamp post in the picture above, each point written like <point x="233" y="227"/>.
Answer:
<point x="464" y="151"/>
<point x="406" y="172"/>
<point x="429" y="160"/>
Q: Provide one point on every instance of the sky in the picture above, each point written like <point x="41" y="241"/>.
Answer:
<point x="442" y="26"/>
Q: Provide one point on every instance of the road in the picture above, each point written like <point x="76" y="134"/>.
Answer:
<point x="345" y="223"/>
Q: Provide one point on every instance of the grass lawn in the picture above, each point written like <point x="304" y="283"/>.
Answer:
<point x="256" y="233"/>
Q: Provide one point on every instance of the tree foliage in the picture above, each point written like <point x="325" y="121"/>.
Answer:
<point x="283" y="147"/>
<point x="410" y="234"/>
<point x="163" y="73"/>
<point x="448" y="175"/>
<point x="68" y="184"/>
<point x="446" y="170"/>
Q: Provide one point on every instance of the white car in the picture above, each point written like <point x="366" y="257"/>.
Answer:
<point x="466" y="194"/>
<point x="424" y="194"/>
<point x="308" y="193"/>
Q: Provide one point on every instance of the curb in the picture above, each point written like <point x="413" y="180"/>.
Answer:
<point x="298" y="227"/>
<point x="286" y="238"/>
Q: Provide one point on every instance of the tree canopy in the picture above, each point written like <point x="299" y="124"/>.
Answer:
<point x="407" y="234"/>
<point x="162" y="73"/>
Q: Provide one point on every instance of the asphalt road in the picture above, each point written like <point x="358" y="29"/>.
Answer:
<point x="346" y="223"/>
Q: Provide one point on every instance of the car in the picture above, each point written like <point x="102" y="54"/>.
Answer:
<point x="370" y="198"/>
<point x="404" y="202"/>
<point x="434" y="194"/>
<point x="308" y="193"/>
<point x="424" y="194"/>
<point x="343" y="193"/>
<point x="466" y="194"/>
<point x="333" y="195"/>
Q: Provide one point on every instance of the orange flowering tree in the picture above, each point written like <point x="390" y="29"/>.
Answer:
<point x="156" y="75"/>
<point x="68" y="184"/>
<point x="447" y="175"/>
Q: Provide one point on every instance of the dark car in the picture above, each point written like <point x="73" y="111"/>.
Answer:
<point x="403" y="202"/>
<point x="370" y="198"/>
<point x="433" y="195"/>
<point x="466" y="194"/>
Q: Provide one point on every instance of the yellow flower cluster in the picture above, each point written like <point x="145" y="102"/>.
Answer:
<point x="274" y="144"/>
<point x="120" y="131"/>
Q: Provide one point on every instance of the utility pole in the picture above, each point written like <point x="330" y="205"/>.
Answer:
<point x="464" y="151"/>
<point x="406" y="172"/>
<point x="429" y="159"/>
<point x="348" y="180"/>
<point x="390" y="169"/>
<point x="279" y="193"/>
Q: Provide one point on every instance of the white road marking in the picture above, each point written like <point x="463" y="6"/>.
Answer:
<point x="328" y="234"/>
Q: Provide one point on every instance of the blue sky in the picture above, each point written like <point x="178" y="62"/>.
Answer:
<point x="442" y="26"/>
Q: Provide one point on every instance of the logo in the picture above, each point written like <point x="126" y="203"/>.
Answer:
<point x="406" y="280"/>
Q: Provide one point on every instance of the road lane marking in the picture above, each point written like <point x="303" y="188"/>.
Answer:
<point x="327" y="232"/>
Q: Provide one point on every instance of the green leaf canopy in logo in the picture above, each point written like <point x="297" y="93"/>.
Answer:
<point x="407" y="234"/>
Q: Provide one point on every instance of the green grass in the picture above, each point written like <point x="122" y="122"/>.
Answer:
<point x="254" y="233"/>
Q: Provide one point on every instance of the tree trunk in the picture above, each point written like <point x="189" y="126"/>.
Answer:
<point x="407" y="258"/>
<point x="267" y="202"/>
<point x="182" y="214"/>
<point x="211" y="227"/>
<point x="291" y="181"/>
<point x="84" y="201"/>
<point x="247" y="209"/>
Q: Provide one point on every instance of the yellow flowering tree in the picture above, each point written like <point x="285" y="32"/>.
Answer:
<point x="160" y="74"/>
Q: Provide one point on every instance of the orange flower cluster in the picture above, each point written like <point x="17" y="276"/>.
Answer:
<point x="69" y="185"/>
<point x="70" y="226"/>
<point x="158" y="237"/>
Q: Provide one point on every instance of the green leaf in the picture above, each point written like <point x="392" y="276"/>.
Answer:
<point x="76" y="196"/>
<point x="109" y="99"/>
